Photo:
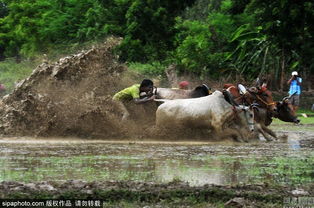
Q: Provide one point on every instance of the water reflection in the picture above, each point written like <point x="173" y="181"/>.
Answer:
<point x="294" y="144"/>
<point x="194" y="173"/>
<point x="194" y="163"/>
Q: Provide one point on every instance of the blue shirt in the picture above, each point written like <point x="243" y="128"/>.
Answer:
<point x="294" y="87"/>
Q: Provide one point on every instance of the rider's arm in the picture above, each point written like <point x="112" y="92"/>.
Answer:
<point x="143" y="100"/>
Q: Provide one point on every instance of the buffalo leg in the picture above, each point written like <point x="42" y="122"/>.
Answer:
<point x="260" y="130"/>
<point x="269" y="131"/>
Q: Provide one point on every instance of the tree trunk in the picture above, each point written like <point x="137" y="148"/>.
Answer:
<point x="282" y="75"/>
<point x="264" y="63"/>
<point x="172" y="75"/>
<point x="307" y="79"/>
<point x="2" y="57"/>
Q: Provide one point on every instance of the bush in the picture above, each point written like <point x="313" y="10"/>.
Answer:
<point x="151" y="69"/>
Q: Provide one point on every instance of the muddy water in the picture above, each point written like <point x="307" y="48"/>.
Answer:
<point x="198" y="163"/>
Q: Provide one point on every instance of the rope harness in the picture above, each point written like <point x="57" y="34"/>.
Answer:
<point x="242" y="97"/>
<point x="267" y="104"/>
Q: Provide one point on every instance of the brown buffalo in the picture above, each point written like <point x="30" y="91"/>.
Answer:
<point x="285" y="111"/>
<point x="259" y="94"/>
<point x="282" y="110"/>
<point x="262" y="117"/>
<point x="263" y="114"/>
<point x="262" y="120"/>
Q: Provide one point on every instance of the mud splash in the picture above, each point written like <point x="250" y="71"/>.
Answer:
<point x="69" y="97"/>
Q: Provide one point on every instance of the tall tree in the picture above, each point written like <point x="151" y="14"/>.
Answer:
<point x="3" y="9"/>
<point x="150" y="28"/>
<point x="286" y="24"/>
<point x="3" y="13"/>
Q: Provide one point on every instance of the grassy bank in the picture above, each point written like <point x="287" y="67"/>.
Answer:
<point x="308" y="120"/>
<point x="304" y="120"/>
<point x="12" y="72"/>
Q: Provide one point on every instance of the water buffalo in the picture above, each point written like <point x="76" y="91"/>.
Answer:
<point x="209" y="112"/>
<point x="262" y="114"/>
<point x="171" y="94"/>
<point x="285" y="111"/>
<point x="258" y="94"/>
<point x="262" y="120"/>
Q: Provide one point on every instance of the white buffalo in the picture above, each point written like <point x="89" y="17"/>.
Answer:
<point x="171" y="94"/>
<point x="209" y="112"/>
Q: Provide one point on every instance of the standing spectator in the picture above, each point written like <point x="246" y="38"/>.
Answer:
<point x="295" y="90"/>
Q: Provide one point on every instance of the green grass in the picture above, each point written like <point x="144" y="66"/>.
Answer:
<point x="88" y="167"/>
<point x="11" y="72"/>
<point x="308" y="120"/>
<point x="152" y="69"/>
<point x="306" y="111"/>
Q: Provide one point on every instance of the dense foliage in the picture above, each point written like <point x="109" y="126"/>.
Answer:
<point x="203" y="37"/>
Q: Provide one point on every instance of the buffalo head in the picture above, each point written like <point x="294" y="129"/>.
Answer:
<point x="285" y="111"/>
<point x="200" y="91"/>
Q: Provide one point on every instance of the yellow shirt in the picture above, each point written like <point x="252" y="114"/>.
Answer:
<point x="128" y="93"/>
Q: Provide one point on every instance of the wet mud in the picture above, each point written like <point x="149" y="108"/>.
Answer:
<point x="71" y="97"/>
<point x="285" y="162"/>
<point x="175" y="194"/>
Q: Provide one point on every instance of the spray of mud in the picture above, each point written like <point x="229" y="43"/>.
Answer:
<point x="73" y="98"/>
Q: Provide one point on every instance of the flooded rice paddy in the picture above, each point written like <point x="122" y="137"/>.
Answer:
<point x="288" y="162"/>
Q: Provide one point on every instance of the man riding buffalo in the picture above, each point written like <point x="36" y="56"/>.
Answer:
<point x="138" y="93"/>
